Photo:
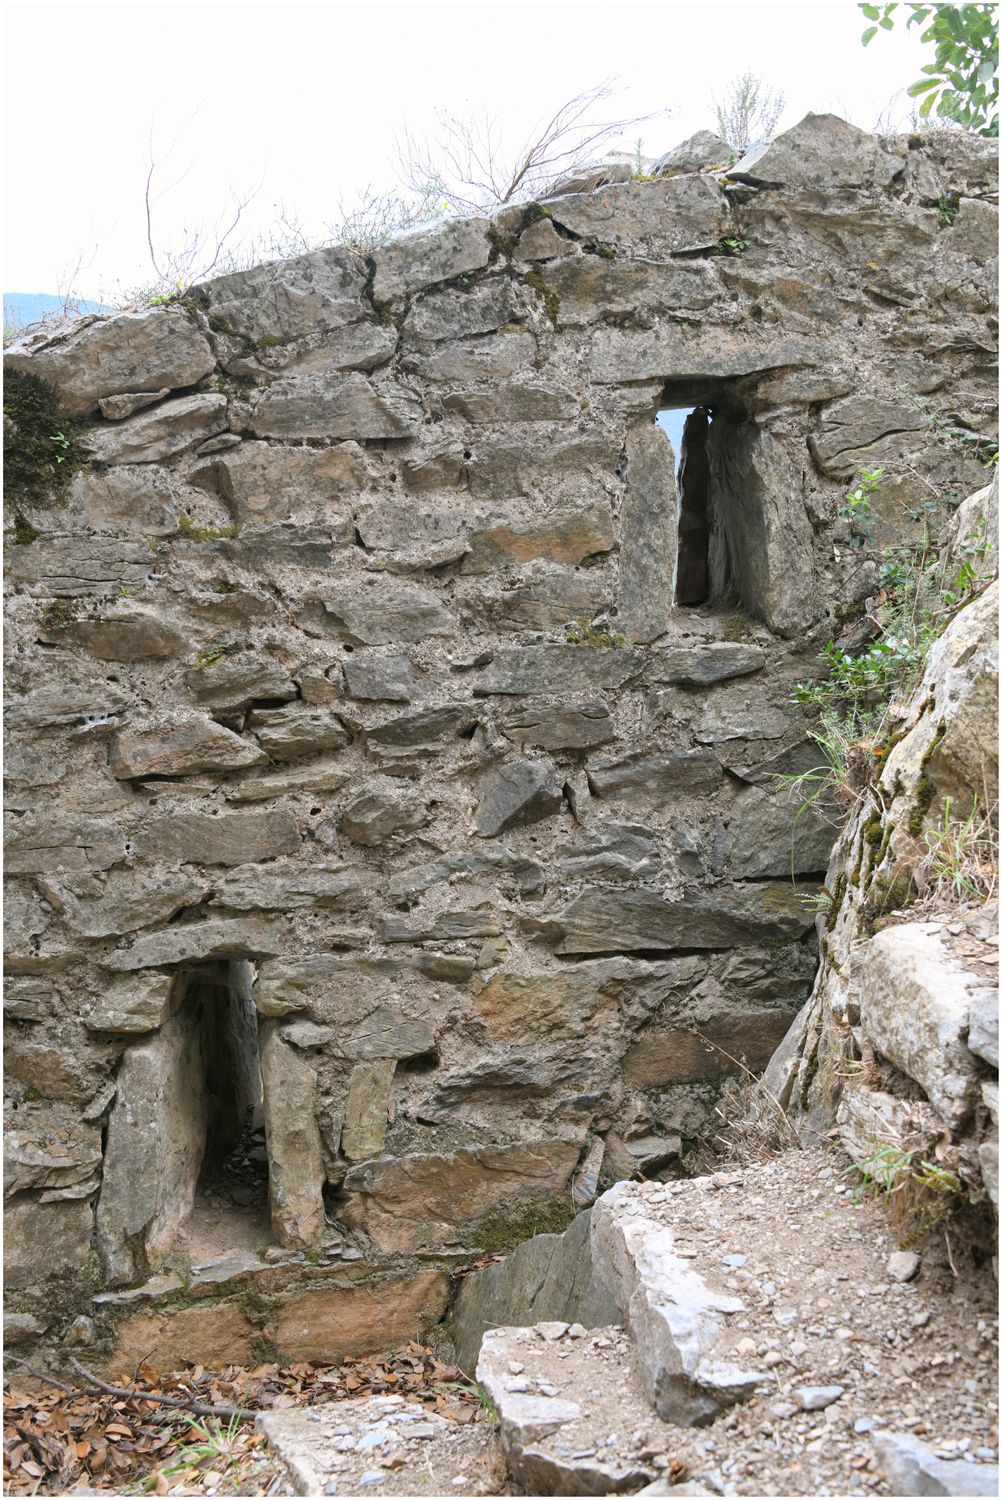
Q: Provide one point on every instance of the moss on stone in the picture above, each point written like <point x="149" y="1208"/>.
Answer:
<point x="513" y="1221"/>
<point x="43" y="452"/>
<point x="549" y="298"/>
<point x="503" y="246"/>
<point x="737" y="627"/>
<point x="22" y="533"/>
<point x="583" y="634"/>
<point x="925" y="787"/>
<point x="59" y="615"/>
<point x="192" y="533"/>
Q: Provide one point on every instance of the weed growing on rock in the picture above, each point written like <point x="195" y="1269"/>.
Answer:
<point x="922" y="1195"/>
<point x="961" y="863"/>
<point x="42" y="451"/>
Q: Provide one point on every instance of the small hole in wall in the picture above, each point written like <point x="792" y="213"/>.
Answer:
<point x="687" y="428"/>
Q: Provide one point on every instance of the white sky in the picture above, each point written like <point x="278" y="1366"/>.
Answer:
<point x="308" y="100"/>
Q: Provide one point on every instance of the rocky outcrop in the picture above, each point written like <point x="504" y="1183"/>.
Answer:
<point x="354" y="665"/>
<point x="897" y="1050"/>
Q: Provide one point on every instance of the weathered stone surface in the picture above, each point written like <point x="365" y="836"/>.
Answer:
<point x="710" y="662"/>
<point x="554" y="726"/>
<point x="591" y="287"/>
<point x="288" y="299"/>
<point x="319" y="776"/>
<point x="158" y="434"/>
<point x="603" y="920"/>
<point x="357" y="346"/>
<point x="673" y="1316"/>
<point x="480" y="359"/>
<point x="526" y="873"/>
<point x="20" y="1328"/>
<point x="236" y="938"/>
<point x="370" y="1091"/>
<point x="44" y="1239"/>
<point x="296" y="1173"/>
<point x="373" y="817"/>
<point x="427" y="726"/>
<point x="660" y="218"/>
<point x="264" y="483"/>
<point x="414" y="261"/>
<point x="387" y="1034"/>
<point x="612" y="851"/>
<point x="860" y="433"/>
<point x="78" y="566"/>
<point x="649" y="536"/>
<point x="336" y="406"/>
<point x="514" y="403"/>
<point x="457" y="313"/>
<point x="423" y="1199"/>
<point x="210" y="1334"/>
<point x="772" y="832"/>
<point x="564" y="536"/>
<point x="658" y="776"/>
<point x="983" y="1033"/>
<point x="288" y="733"/>
<point x="130" y="632"/>
<point x="706" y="1050"/>
<point x="230" y="684"/>
<point x="912" y="1468"/>
<point x="156" y="1139"/>
<point x="619" y="355"/>
<point x="59" y="1155"/>
<point x="339" y="1323"/>
<point x="123" y="901"/>
<point x="516" y="794"/>
<point x="821" y="152"/>
<point x="541" y="242"/>
<point x="699" y="151"/>
<point x="128" y="500"/>
<point x="558" y="669"/>
<point x="132" y="1004"/>
<point x="451" y="925"/>
<point x="43" y="845"/>
<point x="522" y="461"/>
<point x="917" y="1011"/>
<point x="388" y="679"/>
<point x="389" y="615"/>
<point x="117" y="407"/>
<point x="288" y="887"/>
<point x="94" y="357"/>
<point x="229" y="838"/>
<point x="518" y="1006"/>
<point x="180" y="745"/>
<point x="559" y="597"/>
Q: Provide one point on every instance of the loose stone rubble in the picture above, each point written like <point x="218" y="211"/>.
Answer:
<point x="360" y="747"/>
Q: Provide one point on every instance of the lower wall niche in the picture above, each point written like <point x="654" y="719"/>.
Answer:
<point x="185" y="1173"/>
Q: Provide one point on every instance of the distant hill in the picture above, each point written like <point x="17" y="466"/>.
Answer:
<point x="23" y="308"/>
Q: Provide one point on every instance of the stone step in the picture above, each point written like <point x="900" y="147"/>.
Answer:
<point x="573" y="1415"/>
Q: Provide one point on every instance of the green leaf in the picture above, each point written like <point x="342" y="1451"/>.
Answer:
<point x="925" y="108"/>
<point x="868" y="35"/>
<point x="871" y="12"/>
<point x="921" y="87"/>
<point x="887" y="23"/>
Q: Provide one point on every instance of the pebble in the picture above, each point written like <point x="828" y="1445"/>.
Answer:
<point x="576" y="1331"/>
<point x="817" y="1397"/>
<point x="735" y="1261"/>
<point x="903" y="1265"/>
<point x="551" y="1331"/>
<point x="782" y="1409"/>
<point x="372" y="1476"/>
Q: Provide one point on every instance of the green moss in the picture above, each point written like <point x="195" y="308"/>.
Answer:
<point x="810" y="1073"/>
<point x="838" y="896"/>
<point x="270" y="341"/>
<point x="214" y="651"/>
<point x="533" y="213"/>
<point x="192" y="533"/>
<point x="873" y="831"/>
<point x="604" y="251"/>
<point x="737" y="627"/>
<point x="549" y="298"/>
<point x="59" y="615"/>
<point x="503" y="246"/>
<point x="518" y="1219"/>
<point x="583" y="634"/>
<point x="22" y="533"/>
<point x="925" y="787"/>
<point x="44" y="451"/>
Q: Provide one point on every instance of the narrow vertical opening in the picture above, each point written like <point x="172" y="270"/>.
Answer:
<point x="231" y="1195"/>
<point x="692" y="574"/>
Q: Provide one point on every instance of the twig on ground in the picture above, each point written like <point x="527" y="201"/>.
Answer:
<point x="200" y="1409"/>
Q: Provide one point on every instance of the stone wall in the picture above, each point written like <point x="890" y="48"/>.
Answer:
<point x="346" y="670"/>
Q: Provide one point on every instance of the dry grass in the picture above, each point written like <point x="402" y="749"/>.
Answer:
<point x="960" y="867"/>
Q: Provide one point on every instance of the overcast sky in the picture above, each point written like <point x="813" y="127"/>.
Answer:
<point x="305" y="102"/>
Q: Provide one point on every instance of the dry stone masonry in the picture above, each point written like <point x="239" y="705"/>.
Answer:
<point x="371" y="780"/>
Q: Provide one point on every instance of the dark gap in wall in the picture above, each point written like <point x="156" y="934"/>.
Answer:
<point x="234" y="1168"/>
<point x="692" y="574"/>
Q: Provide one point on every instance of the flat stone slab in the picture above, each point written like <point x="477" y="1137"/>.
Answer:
<point x="570" y="1409"/>
<point x="383" y="1445"/>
